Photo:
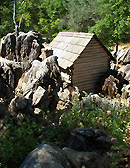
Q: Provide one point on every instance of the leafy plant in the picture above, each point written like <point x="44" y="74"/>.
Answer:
<point x="17" y="141"/>
<point x="114" y="122"/>
<point x="112" y="28"/>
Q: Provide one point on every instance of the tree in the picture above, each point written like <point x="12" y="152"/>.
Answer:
<point x="31" y="16"/>
<point x="80" y="15"/>
<point x="6" y="23"/>
<point x="17" y="26"/>
<point x="114" y="26"/>
<point x="50" y="14"/>
<point x="11" y="12"/>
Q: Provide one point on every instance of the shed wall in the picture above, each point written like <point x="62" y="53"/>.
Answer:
<point x="88" y="68"/>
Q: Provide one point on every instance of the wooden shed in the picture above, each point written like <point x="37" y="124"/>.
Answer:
<point x="84" y="54"/>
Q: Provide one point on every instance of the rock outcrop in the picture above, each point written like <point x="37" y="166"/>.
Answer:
<point x="7" y="47"/>
<point x="3" y="111"/>
<point x="25" y="48"/>
<point x="20" y="107"/>
<point x="103" y="103"/>
<point x="46" y="155"/>
<point x="86" y="149"/>
<point x="86" y="159"/>
<point x="122" y="56"/>
<point x="42" y="83"/>
<point x="10" y="72"/>
<point x="89" y="140"/>
<point x="110" y="86"/>
<point x="28" y="47"/>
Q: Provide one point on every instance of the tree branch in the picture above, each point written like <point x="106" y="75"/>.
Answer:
<point x="22" y="16"/>
<point x="14" y="15"/>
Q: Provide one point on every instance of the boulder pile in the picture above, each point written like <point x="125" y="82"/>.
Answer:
<point x="122" y="56"/>
<point x="87" y="148"/>
<point x="10" y="72"/>
<point x="31" y="81"/>
<point x="29" y="73"/>
<point x="116" y="81"/>
<point x="25" y="48"/>
<point x="42" y="83"/>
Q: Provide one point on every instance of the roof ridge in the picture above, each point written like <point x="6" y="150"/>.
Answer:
<point x="69" y="45"/>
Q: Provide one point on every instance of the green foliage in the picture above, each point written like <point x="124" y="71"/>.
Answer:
<point x="6" y="22"/>
<point x="80" y="15"/>
<point x="115" y="123"/>
<point x="50" y="13"/>
<point x="113" y="27"/>
<point x="30" y="19"/>
<point x="58" y="134"/>
<point x="112" y="18"/>
<point x="45" y="19"/>
<point x="17" y="141"/>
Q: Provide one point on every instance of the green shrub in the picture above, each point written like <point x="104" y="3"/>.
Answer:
<point x="17" y="141"/>
<point x="115" y="123"/>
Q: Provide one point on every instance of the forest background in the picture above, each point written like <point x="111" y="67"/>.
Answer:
<point x="108" y="19"/>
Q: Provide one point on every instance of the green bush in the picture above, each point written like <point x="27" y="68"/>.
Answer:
<point x="17" y="140"/>
<point x="116" y="123"/>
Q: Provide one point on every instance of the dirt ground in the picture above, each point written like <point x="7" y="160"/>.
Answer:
<point x="122" y="46"/>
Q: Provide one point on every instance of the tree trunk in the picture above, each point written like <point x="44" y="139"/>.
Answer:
<point x="117" y="45"/>
<point x="16" y="26"/>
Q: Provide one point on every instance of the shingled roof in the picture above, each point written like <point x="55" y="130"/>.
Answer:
<point x="69" y="45"/>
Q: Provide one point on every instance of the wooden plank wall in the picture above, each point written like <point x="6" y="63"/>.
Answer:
<point x="88" y="68"/>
